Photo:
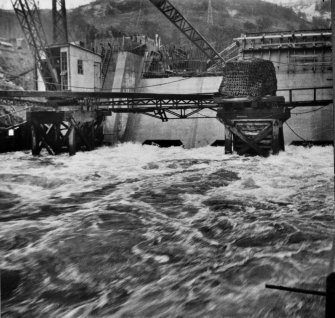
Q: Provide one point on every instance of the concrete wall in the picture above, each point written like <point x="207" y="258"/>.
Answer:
<point x="123" y="75"/>
<point x="304" y="69"/>
<point x="310" y="123"/>
<point x="191" y="132"/>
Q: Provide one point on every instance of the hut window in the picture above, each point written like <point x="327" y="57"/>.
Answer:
<point x="80" y="67"/>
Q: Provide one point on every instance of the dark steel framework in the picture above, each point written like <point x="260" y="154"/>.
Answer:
<point x="59" y="22"/>
<point x="160" y="106"/>
<point x="30" y="21"/>
<point x="187" y="29"/>
<point x="59" y="131"/>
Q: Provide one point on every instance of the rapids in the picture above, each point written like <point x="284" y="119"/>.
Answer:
<point x="142" y="231"/>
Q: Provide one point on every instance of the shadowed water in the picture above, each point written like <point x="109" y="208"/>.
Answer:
<point x="141" y="231"/>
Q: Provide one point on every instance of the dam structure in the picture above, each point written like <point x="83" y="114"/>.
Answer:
<point x="139" y="71"/>
<point x="132" y="71"/>
<point x="304" y="72"/>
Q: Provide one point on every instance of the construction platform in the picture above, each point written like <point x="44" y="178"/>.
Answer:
<point x="70" y="121"/>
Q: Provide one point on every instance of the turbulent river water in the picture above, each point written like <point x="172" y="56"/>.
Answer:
<point x="142" y="231"/>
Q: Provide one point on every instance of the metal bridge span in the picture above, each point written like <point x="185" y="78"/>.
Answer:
<point x="71" y="120"/>
<point x="161" y="106"/>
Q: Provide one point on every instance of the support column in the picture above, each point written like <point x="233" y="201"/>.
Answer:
<point x="35" y="141"/>
<point x="275" y="137"/>
<point x="330" y="296"/>
<point x="72" y="141"/>
<point x="56" y="138"/>
<point x="281" y="137"/>
<point x="228" y="148"/>
<point x="92" y="135"/>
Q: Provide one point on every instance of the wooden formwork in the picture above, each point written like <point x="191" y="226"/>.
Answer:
<point x="253" y="126"/>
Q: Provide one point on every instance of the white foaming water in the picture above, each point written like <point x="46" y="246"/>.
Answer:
<point x="141" y="231"/>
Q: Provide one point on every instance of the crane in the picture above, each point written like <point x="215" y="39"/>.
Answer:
<point x="188" y="30"/>
<point x="29" y="18"/>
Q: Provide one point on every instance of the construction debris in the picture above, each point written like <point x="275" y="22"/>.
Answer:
<point x="248" y="78"/>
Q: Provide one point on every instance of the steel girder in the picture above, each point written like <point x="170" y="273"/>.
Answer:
<point x="161" y="106"/>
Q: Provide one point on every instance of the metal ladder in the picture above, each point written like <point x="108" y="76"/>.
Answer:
<point x="105" y="64"/>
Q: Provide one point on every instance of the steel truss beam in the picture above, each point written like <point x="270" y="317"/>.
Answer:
<point x="156" y="103"/>
<point x="177" y="114"/>
<point x="30" y="21"/>
<point x="160" y="106"/>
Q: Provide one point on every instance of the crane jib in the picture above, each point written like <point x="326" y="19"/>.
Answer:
<point x="187" y="29"/>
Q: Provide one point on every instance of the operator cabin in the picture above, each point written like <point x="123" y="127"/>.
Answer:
<point x="77" y="68"/>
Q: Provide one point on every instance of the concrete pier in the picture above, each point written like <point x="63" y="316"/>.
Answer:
<point x="123" y="76"/>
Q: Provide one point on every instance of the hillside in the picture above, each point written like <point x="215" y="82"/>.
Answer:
<point x="315" y="11"/>
<point x="103" y="18"/>
<point x="231" y="18"/>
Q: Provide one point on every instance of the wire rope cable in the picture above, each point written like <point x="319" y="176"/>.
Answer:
<point x="295" y="133"/>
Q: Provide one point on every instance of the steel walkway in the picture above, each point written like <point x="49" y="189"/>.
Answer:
<point x="157" y="105"/>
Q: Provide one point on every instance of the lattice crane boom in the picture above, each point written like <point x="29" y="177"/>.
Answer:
<point x="30" y="21"/>
<point x="187" y="29"/>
